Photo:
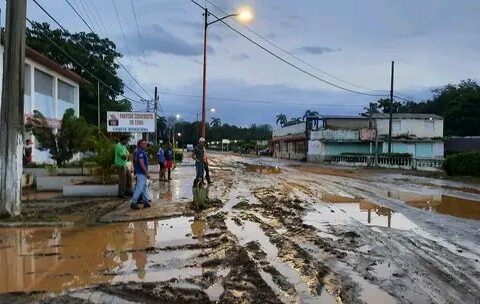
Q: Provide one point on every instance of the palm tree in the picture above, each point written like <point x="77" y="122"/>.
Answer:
<point x="281" y="119"/>
<point x="216" y="122"/>
<point x="309" y="113"/>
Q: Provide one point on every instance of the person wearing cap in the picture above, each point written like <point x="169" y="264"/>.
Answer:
<point x="199" y="156"/>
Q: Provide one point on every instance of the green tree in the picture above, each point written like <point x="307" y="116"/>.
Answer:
<point x="281" y="119"/>
<point x="75" y="135"/>
<point x="99" y="55"/>
<point x="216" y="122"/>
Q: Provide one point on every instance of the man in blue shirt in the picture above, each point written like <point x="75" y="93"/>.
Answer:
<point x="141" y="171"/>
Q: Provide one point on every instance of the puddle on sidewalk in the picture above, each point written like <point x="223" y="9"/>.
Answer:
<point x="57" y="259"/>
<point x="444" y="204"/>
<point x="339" y="210"/>
<point x="170" y="191"/>
<point x="264" y="169"/>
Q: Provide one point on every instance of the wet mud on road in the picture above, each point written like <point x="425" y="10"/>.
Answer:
<point x="275" y="233"/>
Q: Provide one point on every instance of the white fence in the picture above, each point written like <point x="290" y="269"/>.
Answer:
<point x="397" y="162"/>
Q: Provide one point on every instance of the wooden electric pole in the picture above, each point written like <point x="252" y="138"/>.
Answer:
<point x="11" y="109"/>
<point x="155" y="109"/>
<point x="391" y="111"/>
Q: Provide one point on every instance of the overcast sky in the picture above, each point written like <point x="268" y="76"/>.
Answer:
<point x="432" y="42"/>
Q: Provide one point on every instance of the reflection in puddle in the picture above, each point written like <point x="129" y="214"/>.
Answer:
<point x="443" y="204"/>
<point x="262" y="169"/>
<point x="339" y="210"/>
<point x="171" y="191"/>
<point x="56" y="259"/>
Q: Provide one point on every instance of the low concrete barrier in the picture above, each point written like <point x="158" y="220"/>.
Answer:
<point x="90" y="190"/>
<point x="56" y="183"/>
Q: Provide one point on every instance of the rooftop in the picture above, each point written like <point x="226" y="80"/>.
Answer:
<point x="406" y="116"/>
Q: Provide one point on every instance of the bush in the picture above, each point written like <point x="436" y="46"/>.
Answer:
<point x="463" y="164"/>
<point x="105" y="159"/>
<point x="178" y="154"/>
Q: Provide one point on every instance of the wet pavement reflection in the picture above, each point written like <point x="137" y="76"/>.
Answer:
<point x="444" y="204"/>
<point x="339" y="210"/>
<point x="55" y="259"/>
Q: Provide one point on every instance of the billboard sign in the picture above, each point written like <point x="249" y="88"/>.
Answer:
<point x="133" y="122"/>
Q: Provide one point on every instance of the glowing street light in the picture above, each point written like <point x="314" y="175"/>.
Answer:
<point x="244" y="15"/>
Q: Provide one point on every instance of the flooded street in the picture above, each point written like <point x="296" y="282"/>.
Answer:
<point x="275" y="232"/>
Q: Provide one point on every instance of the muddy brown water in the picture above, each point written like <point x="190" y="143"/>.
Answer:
<point x="444" y="204"/>
<point x="265" y="169"/>
<point x="56" y="259"/>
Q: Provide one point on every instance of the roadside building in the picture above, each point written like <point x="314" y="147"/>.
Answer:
<point x="420" y="135"/>
<point x="50" y="89"/>
<point x="322" y="137"/>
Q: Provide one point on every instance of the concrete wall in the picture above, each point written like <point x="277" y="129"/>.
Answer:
<point x="346" y="123"/>
<point x="337" y="135"/>
<point x="290" y="130"/>
<point x="421" y="128"/>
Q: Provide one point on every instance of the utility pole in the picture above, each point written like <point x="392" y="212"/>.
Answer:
<point x="11" y="109"/>
<point x="155" y="108"/>
<point x="204" y="91"/>
<point x="147" y="135"/>
<point x="391" y="111"/>
<point x="98" y="106"/>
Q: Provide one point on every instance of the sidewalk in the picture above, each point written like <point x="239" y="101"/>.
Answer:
<point x="169" y="199"/>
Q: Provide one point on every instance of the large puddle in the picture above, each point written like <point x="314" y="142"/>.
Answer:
<point x="265" y="169"/>
<point x="444" y="204"/>
<point x="339" y="210"/>
<point x="56" y="259"/>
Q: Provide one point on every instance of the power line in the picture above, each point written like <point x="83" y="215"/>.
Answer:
<point x="80" y="65"/>
<point x="116" y="60"/>
<point x="293" y="55"/>
<point x="123" y="32"/>
<point x="288" y="62"/>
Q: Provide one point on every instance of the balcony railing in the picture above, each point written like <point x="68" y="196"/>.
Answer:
<point x="400" y="162"/>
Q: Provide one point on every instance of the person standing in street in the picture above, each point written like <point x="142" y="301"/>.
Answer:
<point x="161" y="163"/>
<point x="207" y="171"/>
<point x="124" y="176"/>
<point x="169" y="160"/>
<point x="141" y="171"/>
<point x="199" y="156"/>
<point x="27" y="152"/>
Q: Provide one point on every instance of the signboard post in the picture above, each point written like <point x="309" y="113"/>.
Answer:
<point x="130" y="122"/>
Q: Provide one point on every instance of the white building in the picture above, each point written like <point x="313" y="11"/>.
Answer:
<point x="418" y="134"/>
<point x="50" y="89"/>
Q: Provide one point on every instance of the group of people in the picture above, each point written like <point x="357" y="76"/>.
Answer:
<point x="165" y="158"/>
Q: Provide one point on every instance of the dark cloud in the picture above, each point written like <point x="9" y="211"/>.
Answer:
<point x="156" y="39"/>
<point x="318" y="50"/>
<point x="240" y="57"/>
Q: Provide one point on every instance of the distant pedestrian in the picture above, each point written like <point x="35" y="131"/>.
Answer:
<point x="199" y="156"/>
<point x="124" y="175"/>
<point x="141" y="171"/>
<point x="27" y="152"/>
<point x="161" y="162"/>
<point x="169" y="155"/>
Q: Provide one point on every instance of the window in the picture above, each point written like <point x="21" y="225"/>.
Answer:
<point x="66" y="97"/>
<point x="44" y="101"/>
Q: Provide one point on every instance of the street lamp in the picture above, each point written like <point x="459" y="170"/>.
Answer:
<point x="244" y="14"/>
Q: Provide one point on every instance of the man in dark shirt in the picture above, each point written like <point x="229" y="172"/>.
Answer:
<point x="141" y="171"/>
<point x="199" y="156"/>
